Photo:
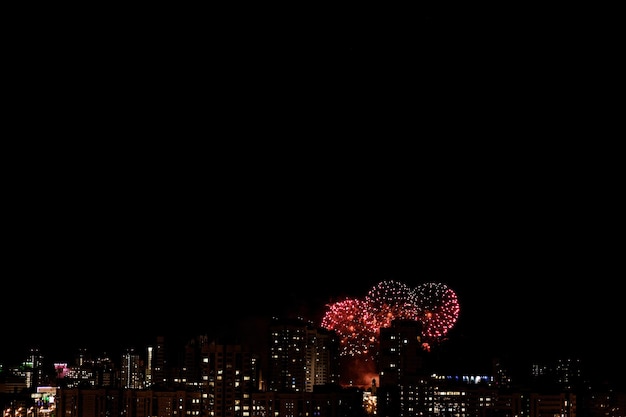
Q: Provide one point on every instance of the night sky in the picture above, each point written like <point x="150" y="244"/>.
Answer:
<point x="522" y="293"/>
<point x="169" y="176"/>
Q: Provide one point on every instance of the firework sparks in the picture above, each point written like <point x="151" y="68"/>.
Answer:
<point x="358" y="321"/>
<point x="389" y="300"/>
<point x="349" y="318"/>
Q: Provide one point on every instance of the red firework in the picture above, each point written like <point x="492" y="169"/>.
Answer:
<point x="349" y="319"/>
<point x="358" y="322"/>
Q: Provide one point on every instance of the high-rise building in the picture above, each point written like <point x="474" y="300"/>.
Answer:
<point x="149" y="365"/>
<point x="34" y="367"/>
<point x="191" y="370"/>
<point x="160" y="374"/>
<point x="322" y="358"/>
<point x="302" y="356"/>
<point x="229" y="375"/>
<point x="401" y="365"/>
<point x="132" y="370"/>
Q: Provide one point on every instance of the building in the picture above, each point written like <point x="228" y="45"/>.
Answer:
<point x="301" y="356"/>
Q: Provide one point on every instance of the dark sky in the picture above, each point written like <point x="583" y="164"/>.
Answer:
<point x="167" y="174"/>
<point x="526" y="291"/>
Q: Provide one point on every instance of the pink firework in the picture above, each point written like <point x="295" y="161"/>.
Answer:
<point x="438" y="309"/>
<point x="358" y="322"/>
<point x="349" y="319"/>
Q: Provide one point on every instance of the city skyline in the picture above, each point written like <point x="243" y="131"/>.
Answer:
<point x="311" y="357"/>
<point x="526" y="324"/>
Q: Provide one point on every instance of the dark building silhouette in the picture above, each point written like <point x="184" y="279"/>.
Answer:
<point x="160" y="371"/>
<point x="402" y="391"/>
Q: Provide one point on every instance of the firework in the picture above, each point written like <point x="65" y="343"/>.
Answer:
<point x="389" y="300"/>
<point x="350" y="320"/>
<point x="438" y="309"/>
<point x="358" y="321"/>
